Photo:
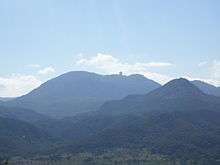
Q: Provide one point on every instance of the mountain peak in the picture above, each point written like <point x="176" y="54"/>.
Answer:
<point x="179" y="82"/>
<point x="178" y="88"/>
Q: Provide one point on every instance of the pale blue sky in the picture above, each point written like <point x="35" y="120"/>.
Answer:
<point x="52" y="33"/>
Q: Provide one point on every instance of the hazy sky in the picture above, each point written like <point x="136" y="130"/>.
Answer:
<point x="40" y="39"/>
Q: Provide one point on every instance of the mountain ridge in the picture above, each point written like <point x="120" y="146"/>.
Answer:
<point x="207" y="88"/>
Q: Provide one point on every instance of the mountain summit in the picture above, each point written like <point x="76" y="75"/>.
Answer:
<point x="177" y="88"/>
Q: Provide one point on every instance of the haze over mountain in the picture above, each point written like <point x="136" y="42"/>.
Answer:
<point x="135" y="110"/>
<point x="176" y="119"/>
<point x="77" y="92"/>
<point x="6" y="98"/>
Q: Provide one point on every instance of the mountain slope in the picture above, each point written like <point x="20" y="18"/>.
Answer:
<point x="22" y="114"/>
<point x="207" y="88"/>
<point x="20" y="138"/>
<point x="177" y="120"/>
<point x="77" y="92"/>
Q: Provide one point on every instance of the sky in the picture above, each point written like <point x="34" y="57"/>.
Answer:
<point x="163" y="40"/>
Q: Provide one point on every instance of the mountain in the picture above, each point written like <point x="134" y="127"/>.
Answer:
<point x="177" y="120"/>
<point x="207" y="88"/>
<point x="6" y="98"/>
<point x="77" y="92"/>
<point x="21" y="138"/>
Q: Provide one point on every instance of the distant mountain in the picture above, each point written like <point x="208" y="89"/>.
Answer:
<point x="6" y="98"/>
<point x="207" y="88"/>
<point x="21" y="138"/>
<point x="77" y="92"/>
<point x="176" y="119"/>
